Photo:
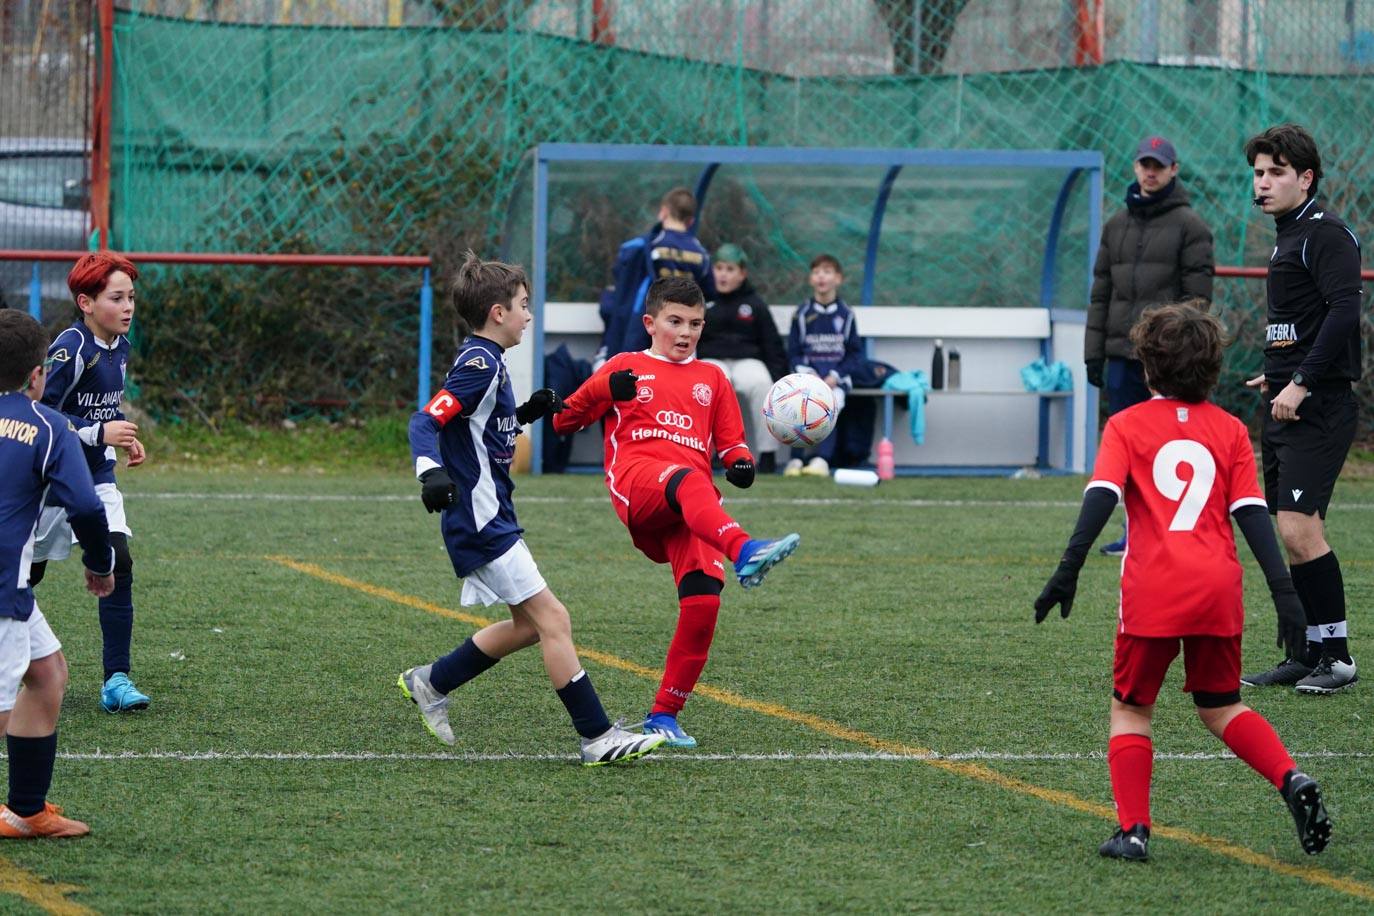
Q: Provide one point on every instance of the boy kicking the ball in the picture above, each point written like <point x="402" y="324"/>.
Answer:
<point x="463" y="442"/>
<point x="667" y="414"/>
<point x="1183" y="465"/>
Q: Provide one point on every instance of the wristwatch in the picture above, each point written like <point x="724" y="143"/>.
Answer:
<point x="1301" y="380"/>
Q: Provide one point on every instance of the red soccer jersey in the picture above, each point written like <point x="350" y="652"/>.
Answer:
<point x="683" y="413"/>
<point x="1182" y="469"/>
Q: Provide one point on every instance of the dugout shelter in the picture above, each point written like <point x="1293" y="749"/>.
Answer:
<point x="989" y="251"/>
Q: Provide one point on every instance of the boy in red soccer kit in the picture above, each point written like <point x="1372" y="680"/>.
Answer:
<point x="1183" y="465"/>
<point x="667" y="413"/>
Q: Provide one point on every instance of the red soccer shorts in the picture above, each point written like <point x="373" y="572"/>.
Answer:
<point x="1211" y="665"/>
<point x="656" y="529"/>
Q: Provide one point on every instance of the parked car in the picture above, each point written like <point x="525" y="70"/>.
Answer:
<point x="44" y="203"/>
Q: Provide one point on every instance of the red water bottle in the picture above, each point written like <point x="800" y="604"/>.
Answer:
<point x="886" y="465"/>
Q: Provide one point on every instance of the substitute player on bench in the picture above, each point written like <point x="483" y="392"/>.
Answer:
<point x="667" y="414"/>
<point x="1183" y="465"/>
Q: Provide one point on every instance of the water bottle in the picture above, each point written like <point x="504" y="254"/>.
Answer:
<point x="953" y="369"/>
<point x="887" y="466"/>
<point x="937" y="366"/>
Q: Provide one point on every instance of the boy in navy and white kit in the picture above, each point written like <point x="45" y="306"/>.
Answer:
<point x="86" y="383"/>
<point x="40" y="457"/>
<point x="824" y="340"/>
<point x="463" y="442"/>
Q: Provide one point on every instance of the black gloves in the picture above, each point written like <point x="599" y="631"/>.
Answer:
<point x="436" y="490"/>
<point x="1061" y="588"/>
<point x="741" y="473"/>
<point x="1095" y="367"/>
<point x="623" y="386"/>
<point x="543" y="402"/>
<point x="1292" y="620"/>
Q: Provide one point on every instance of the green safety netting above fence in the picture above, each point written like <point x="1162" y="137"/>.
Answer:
<point x="399" y="126"/>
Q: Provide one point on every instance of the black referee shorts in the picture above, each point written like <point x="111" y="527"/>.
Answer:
<point x="1303" y="458"/>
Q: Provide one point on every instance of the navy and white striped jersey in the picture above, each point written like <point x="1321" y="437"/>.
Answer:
<point x="86" y="382"/>
<point x="40" y="458"/>
<point x="469" y="430"/>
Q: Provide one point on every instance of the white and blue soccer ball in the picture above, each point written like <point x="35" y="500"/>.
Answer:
<point x="799" y="410"/>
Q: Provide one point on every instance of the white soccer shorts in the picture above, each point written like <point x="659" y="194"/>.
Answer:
<point x="22" y="642"/>
<point x="511" y="578"/>
<point x="55" y="539"/>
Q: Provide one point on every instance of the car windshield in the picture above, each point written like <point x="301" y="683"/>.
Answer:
<point x="38" y="181"/>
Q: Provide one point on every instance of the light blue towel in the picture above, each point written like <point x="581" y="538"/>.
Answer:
<point x="1039" y="376"/>
<point x="915" y="384"/>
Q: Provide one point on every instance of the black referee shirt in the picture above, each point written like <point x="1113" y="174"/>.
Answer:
<point x="1315" y="293"/>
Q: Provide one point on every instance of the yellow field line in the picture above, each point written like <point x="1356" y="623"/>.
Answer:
<point x="977" y="771"/>
<point x="50" y="897"/>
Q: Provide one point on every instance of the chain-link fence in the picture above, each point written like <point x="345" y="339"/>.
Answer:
<point x="399" y="126"/>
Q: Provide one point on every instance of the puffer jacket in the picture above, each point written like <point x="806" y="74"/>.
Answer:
<point x="1156" y="250"/>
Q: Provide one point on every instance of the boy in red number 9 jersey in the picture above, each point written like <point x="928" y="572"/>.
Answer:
<point x="1185" y="467"/>
<point x="667" y="413"/>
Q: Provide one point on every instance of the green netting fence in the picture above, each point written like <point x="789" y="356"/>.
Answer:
<point x="400" y="126"/>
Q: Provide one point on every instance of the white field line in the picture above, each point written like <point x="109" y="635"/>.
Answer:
<point x="732" y="500"/>
<point x="780" y="756"/>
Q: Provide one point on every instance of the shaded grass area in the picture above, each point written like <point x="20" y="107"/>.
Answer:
<point x="910" y="622"/>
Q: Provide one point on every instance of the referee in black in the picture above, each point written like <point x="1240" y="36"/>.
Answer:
<point x="1311" y="357"/>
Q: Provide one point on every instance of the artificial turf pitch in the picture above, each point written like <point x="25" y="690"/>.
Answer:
<point x="882" y="726"/>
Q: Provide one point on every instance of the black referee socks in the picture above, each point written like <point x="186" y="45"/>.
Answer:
<point x="1322" y="589"/>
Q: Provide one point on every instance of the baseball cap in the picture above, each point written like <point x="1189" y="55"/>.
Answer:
<point x="1156" y="148"/>
<point x="731" y="253"/>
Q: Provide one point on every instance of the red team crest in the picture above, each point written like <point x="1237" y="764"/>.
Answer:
<point x="702" y="393"/>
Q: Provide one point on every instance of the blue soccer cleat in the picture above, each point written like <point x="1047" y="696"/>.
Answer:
<point x="665" y="724"/>
<point x="757" y="557"/>
<point x="120" y="695"/>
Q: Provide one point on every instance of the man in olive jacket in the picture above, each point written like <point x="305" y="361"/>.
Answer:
<point x="1156" y="250"/>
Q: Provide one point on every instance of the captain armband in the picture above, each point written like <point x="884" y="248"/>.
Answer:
<point x="443" y="407"/>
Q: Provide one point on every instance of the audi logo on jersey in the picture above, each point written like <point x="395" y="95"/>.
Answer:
<point x="673" y="418"/>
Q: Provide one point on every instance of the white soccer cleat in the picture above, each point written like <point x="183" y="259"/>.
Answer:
<point x="414" y="683"/>
<point x="817" y="467"/>
<point x="617" y="745"/>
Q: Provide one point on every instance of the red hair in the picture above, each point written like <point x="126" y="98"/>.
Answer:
<point x="91" y="273"/>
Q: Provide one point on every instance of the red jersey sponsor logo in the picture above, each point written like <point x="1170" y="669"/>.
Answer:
<point x="673" y="418"/>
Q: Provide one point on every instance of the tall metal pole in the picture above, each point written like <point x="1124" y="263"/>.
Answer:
<point x="102" y="117"/>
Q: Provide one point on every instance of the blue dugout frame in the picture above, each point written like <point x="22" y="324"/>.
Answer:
<point x="1074" y="164"/>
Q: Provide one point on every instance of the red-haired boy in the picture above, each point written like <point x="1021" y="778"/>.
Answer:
<point x="89" y="362"/>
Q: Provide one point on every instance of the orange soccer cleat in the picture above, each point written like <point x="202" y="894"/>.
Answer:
<point x="48" y="822"/>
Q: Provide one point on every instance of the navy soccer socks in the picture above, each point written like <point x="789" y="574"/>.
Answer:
<point x="31" y="762"/>
<point x="459" y="666"/>
<point x="584" y="706"/>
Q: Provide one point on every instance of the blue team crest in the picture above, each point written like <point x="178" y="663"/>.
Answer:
<point x="478" y="362"/>
<point x="839" y="323"/>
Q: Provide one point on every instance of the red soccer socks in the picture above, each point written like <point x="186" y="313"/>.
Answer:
<point x="1131" y="760"/>
<point x="1254" y="740"/>
<point x="696" y="625"/>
